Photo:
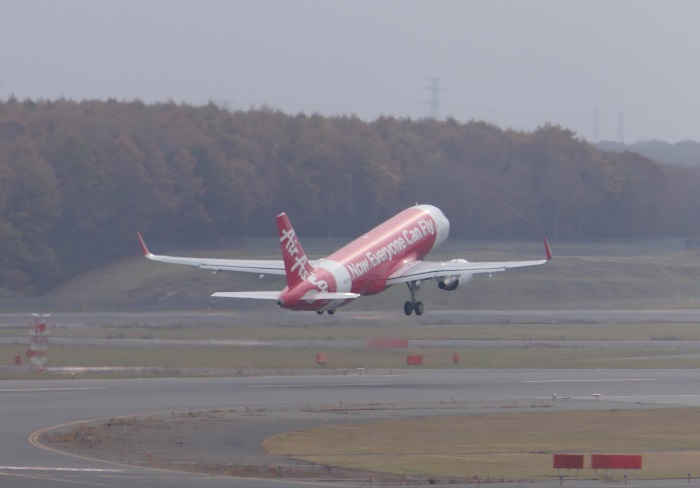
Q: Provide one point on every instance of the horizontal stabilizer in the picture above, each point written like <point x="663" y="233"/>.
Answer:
<point x="259" y="295"/>
<point x="334" y="296"/>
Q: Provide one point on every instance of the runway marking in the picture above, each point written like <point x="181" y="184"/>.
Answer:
<point x="312" y="385"/>
<point x="46" y="468"/>
<point x="28" y="390"/>
<point x="663" y="396"/>
<point x="34" y="440"/>
<point x="589" y="381"/>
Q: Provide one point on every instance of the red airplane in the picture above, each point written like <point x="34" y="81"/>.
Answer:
<point x="389" y="254"/>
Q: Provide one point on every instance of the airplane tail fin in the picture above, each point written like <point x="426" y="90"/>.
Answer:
<point x="296" y="264"/>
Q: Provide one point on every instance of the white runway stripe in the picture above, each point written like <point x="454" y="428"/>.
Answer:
<point x="47" y="468"/>
<point x="590" y="381"/>
<point x="26" y="390"/>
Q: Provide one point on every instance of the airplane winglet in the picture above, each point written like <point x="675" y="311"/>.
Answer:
<point x="547" y="251"/>
<point x="143" y="245"/>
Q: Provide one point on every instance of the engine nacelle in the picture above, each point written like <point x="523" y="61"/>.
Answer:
<point x="453" y="282"/>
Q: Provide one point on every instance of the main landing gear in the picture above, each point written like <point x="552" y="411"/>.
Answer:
<point x="330" y="311"/>
<point x="413" y="305"/>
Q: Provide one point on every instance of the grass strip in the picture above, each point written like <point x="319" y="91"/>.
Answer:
<point x="510" y="446"/>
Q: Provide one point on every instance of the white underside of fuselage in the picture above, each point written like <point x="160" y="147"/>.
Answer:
<point x="342" y="280"/>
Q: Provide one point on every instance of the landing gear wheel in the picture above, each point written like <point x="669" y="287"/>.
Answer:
<point x="413" y="305"/>
<point x="331" y="311"/>
<point x="320" y="312"/>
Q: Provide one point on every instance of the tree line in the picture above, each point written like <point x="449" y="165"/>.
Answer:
<point x="77" y="179"/>
<point x="686" y="153"/>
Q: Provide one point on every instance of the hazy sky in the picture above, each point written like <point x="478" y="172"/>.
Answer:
<point x="518" y="64"/>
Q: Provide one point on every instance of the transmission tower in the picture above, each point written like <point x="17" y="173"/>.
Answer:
<point x="224" y="104"/>
<point x="434" y="102"/>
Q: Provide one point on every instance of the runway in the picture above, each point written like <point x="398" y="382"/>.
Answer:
<point x="283" y="317"/>
<point x="27" y="406"/>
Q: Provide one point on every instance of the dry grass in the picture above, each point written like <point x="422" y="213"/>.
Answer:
<point x="513" y="446"/>
<point x="377" y="329"/>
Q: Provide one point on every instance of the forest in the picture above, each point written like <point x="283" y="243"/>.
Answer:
<point x="79" y="178"/>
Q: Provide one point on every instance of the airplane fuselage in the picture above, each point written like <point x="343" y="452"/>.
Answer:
<point x="364" y="265"/>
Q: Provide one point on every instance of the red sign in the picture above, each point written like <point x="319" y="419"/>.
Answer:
<point x="615" y="461"/>
<point x="568" y="461"/>
<point x="414" y="360"/>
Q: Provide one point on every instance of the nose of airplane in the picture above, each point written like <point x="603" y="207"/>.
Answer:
<point x="441" y="222"/>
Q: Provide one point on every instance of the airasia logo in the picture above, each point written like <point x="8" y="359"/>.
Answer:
<point x="301" y="262"/>
<point x="321" y="285"/>
<point x="291" y="246"/>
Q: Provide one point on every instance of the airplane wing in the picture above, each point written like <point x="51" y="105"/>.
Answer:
<point x="259" y="266"/>
<point x="273" y="295"/>
<point x="424" y="270"/>
<point x="260" y="295"/>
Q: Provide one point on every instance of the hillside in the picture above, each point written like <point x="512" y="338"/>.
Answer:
<point x="684" y="153"/>
<point x="577" y="277"/>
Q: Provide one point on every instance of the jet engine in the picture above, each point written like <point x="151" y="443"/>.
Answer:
<point x="450" y="283"/>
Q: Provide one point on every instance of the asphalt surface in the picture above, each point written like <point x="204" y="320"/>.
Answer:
<point x="29" y="406"/>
